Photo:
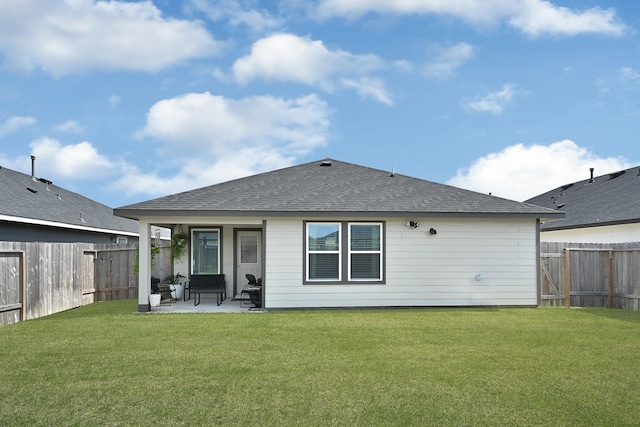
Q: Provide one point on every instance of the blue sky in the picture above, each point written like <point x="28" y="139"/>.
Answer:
<point x="124" y="101"/>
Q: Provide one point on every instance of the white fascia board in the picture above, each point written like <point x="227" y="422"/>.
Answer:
<point x="63" y="225"/>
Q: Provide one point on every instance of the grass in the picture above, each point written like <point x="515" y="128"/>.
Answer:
<point x="101" y="365"/>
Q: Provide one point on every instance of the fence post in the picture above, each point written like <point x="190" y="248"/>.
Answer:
<point x="567" y="279"/>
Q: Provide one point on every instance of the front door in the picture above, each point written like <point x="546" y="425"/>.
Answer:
<point x="248" y="256"/>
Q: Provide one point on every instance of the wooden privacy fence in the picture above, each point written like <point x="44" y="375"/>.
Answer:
<point x="590" y="275"/>
<point x="39" y="278"/>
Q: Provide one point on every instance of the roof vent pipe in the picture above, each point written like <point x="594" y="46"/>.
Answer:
<point x="33" y="167"/>
<point x="591" y="170"/>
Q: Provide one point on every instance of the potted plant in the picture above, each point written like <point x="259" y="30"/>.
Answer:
<point x="178" y="246"/>
<point x="154" y="297"/>
<point x="177" y="288"/>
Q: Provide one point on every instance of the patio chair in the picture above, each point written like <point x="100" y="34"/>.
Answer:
<point x="251" y="292"/>
<point x="251" y="279"/>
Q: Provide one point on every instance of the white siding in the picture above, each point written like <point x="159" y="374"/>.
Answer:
<point x="421" y="269"/>
<point x="622" y="233"/>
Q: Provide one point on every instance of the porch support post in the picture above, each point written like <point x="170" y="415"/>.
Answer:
<point x="144" y="270"/>
<point x="264" y="264"/>
<point x="538" y="278"/>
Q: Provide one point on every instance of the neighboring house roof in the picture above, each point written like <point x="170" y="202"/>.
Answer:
<point x="332" y="188"/>
<point x="30" y="200"/>
<point x="604" y="200"/>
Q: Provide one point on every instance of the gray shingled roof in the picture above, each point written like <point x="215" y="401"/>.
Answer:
<point x="39" y="199"/>
<point x="337" y="189"/>
<point x="608" y="199"/>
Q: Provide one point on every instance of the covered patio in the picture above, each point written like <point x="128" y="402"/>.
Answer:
<point x="208" y="304"/>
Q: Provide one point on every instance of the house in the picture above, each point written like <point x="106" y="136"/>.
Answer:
<point x="334" y="234"/>
<point x="35" y="209"/>
<point x="600" y="209"/>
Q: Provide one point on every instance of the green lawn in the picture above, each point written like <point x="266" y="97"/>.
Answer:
<point x="102" y="365"/>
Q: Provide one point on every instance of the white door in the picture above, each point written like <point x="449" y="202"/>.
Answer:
<point x="249" y="256"/>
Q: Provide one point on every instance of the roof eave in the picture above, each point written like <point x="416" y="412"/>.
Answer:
<point x="590" y="225"/>
<point x="150" y="213"/>
<point x="55" y="224"/>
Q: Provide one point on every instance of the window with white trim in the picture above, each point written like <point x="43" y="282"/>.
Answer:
<point x="328" y="253"/>
<point x="323" y="251"/>
<point x="365" y="251"/>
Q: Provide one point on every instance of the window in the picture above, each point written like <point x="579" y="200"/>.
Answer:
<point x="205" y="251"/>
<point x="323" y="246"/>
<point x="365" y="252"/>
<point x="328" y="254"/>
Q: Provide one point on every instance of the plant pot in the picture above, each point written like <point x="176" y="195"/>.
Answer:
<point x="177" y="291"/>
<point x="154" y="300"/>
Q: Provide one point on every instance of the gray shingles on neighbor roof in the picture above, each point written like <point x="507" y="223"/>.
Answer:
<point x="331" y="187"/>
<point x="27" y="197"/>
<point x="606" y="200"/>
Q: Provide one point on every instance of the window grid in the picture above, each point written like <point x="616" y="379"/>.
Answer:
<point x="360" y="253"/>
<point x="323" y="247"/>
<point x="365" y="250"/>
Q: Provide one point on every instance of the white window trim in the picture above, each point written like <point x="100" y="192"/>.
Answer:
<point x="338" y="251"/>
<point x="379" y="251"/>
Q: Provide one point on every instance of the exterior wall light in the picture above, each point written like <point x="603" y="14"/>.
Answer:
<point x="433" y="231"/>
<point x="413" y="224"/>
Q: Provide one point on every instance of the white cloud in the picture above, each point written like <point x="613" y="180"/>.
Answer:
<point x="520" y="172"/>
<point x="494" y="102"/>
<point x="532" y="17"/>
<point x="15" y="123"/>
<point x="75" y="36"/>
<point x="233" y="12"/>
<point x="369" y="88"/>
<point x="77" y="161"/>
<point x="629" y="73"/>
<point x="70" y="126"/>
<point x="624" y="81"/>
<point x="287" y="57"/>
<point x="448" y="59"/>
<point x="538" y="17"/>
<point x="212" y="138"/>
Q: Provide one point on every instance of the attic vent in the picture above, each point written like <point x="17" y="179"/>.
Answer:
<point x="326" y="163"/>
<point x="616" y="174"/>
<point x="32" y="190"/>
<point x="45" y="181"/>
<point x="560" y="206"/>
<point x="566" y="186"/>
